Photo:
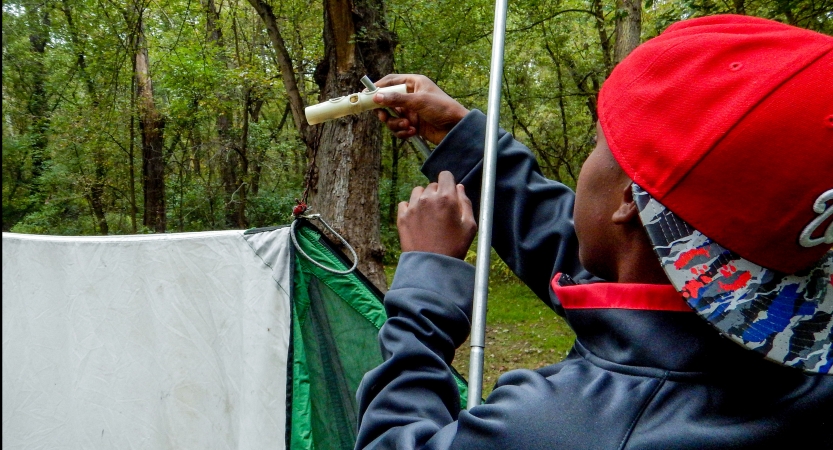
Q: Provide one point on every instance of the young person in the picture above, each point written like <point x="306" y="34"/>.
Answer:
<point x="705" y="208"/>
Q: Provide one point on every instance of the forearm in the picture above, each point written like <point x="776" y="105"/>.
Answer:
<point x="533" y="216"/>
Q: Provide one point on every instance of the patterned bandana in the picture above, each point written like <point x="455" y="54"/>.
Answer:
<point x="787" y="318"/>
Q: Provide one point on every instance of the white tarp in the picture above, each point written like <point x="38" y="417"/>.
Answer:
<point x="174" y="341"/>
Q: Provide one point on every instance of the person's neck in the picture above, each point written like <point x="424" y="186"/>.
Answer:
<point x="637" y="263"/>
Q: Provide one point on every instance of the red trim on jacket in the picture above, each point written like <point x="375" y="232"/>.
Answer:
<point x="652" y="297"/>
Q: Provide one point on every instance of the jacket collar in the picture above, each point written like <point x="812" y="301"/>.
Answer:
<point x="650" y="297"/>
<point x="645" y="326"/>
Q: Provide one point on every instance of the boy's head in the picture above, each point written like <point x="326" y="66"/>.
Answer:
<point x="725" y="126"/>
<point x="613" y="243"/>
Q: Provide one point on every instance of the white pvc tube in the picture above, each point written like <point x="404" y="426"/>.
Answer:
<point x="347" y="105"/>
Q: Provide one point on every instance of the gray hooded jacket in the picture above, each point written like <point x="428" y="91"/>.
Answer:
<point x="635" y="379"/>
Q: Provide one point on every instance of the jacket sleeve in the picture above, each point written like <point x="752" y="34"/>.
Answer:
<point x="411" y="401"/>
<point x="533" y="217"/>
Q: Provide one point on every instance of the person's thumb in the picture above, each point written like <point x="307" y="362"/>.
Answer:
<point x="467" y="217"/>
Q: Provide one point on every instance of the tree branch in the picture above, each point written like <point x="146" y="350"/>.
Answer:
<point x="285" y="62"/>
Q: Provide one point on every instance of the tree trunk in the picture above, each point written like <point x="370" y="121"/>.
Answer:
<point x="96" y="194"/>
<point x="565" y="149"/>
<point x="232" y="172"/>
<point x="628" y="28"/>
<point x="290" y="83"/>
<point x="344" y="154"/>
<point x="256" y="160"/>
<point x="151" y="125"/>
<point x="585" y="84"/>
<point x="356" y="42"/>
<point x="242" y="149"/>
<point x="604" y="39"/>
<point x="131" y="163"/>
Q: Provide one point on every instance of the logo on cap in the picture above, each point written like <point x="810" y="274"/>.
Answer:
<point x="819" y="206"/>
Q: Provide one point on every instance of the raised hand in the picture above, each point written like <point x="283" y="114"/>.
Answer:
<point x="426" y="110"/>
<point x="437" y="219"/>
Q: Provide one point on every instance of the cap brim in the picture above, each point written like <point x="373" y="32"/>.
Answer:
<point x="786" y="317"/>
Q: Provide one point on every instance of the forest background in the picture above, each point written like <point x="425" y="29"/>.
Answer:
<point x="150" y="116"/>
<point x="142" y="116"/>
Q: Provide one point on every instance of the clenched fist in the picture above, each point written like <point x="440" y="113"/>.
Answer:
<point x="426" y="110"/>
<point x="437" y="219"/>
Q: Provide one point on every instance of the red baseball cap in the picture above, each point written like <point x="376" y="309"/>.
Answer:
<point x="725" y="124"/>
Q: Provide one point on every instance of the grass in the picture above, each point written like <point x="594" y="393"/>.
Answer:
<point x="521" y="332"/>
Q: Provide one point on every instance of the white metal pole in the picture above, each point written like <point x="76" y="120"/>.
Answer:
<point x="487" y="199"/>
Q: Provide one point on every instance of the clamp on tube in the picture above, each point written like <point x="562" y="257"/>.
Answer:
<point x="347" y="105"/>
<point x="417" y="141"/>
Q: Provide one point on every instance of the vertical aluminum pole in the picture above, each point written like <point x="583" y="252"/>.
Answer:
<point x="487" y="200"/>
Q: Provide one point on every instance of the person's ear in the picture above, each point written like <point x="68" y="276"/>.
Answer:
<point x="627" y="211"/>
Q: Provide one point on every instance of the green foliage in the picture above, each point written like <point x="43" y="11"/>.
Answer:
<point x="66" y="216"/>
<point x="498" y="270"/>
<point x="72" y="159"/>
<point x="271" y="210"/>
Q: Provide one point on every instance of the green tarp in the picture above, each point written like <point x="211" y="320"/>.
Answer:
<point x="336" y="320"/>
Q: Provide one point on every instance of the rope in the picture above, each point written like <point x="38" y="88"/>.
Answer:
<point x="326" y="225"/>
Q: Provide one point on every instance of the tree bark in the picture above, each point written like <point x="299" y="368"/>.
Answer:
<point x="243" y="152"/>
<point x="97" y="193"/>
<point x="344" y="154"/>
<point x="628" y="28"/>
<point x="356" y="42"/>
<point x="256" y="159"/>
<point x="131" y="163"/>
<point x="587" y="85"/>
<point x="565" y="149"/>
<point x="151" y="125"/>
<point x="604" y="39"/>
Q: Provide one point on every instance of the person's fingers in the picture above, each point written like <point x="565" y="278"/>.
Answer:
<point x="465" y="205"/>
<point x="393" y="79"/>
<point x="397" y="100"/>
<point x="383" y="99"/>
<point x="416" y="193"/>
<point x="412" y="116"/>
<point x="401" y="210"/>
<point x="399" y="124"/>
<point x="381" y="114"/>
<point x="414" y="82"/>
<point x="431" y="189"/>
<point x="395" y="124"/>
<point x="446" y="183"/>
<point x="406" y="133"/>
